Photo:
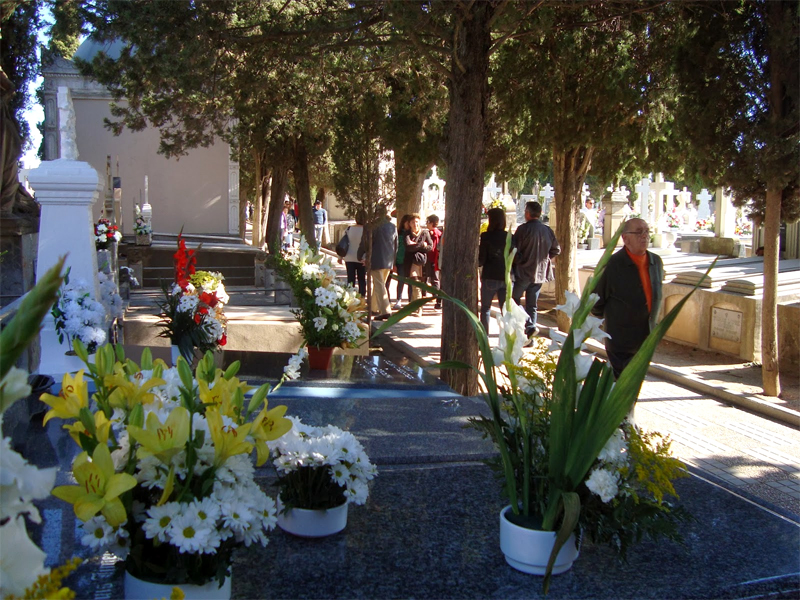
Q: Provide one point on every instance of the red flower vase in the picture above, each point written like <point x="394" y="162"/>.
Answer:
<point x="319" y="359"/>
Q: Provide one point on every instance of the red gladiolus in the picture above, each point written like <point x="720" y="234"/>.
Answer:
<point x="184" y="262"/>
<point x="223" y="340"/>
<point x="209" y="298"/>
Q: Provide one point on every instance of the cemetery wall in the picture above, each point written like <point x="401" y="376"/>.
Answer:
<point x="192" y="192"/>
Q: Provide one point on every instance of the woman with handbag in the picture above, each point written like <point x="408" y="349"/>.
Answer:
<point x="418" y="243"/>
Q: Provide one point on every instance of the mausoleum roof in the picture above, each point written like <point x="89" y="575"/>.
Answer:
<point x="90" y="48"/>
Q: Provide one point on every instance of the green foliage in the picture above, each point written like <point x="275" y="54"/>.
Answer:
<point x="310" y="488"/>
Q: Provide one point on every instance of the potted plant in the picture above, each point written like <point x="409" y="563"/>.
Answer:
<point x="164" y="478"/>
<point x="320" y="471"/>
<point x="561" y="440"/>
<point x="330" y="314"/>
<point x="192" y="312"/>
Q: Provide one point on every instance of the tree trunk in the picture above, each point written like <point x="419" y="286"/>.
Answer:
<point x="408" y="183"/>
<point x="258" y="167"/>
<point x="303" y="187"/>
<point x="466" y="158"/>
<point x="569" y="172"/>
<point x="280" y="181"/>
<point x="242" y="214"/>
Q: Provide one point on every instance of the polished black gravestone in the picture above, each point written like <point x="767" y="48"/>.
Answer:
<point x="430" y="526"/>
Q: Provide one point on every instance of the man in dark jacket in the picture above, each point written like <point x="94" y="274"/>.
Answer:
<point x="384" y="249"/>
<point x="536" y="245"/>
<point x="630" y="295"/>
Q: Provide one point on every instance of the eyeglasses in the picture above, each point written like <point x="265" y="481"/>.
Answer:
<point x="637" y="232"/>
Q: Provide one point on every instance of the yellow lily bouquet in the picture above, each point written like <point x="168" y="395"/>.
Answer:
<point x="165" y="478"/>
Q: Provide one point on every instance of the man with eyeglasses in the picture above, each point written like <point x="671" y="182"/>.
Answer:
<point x="630" y="295"/>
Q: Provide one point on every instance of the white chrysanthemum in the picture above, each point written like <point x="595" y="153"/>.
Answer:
<point x="320" y="322"/>
<point x="98" y="534"/>
<point x="188" y="303"/>
<point x="352" y="331"/>
<point x="603" y="483"/>
<point x="616" y="449"/>
<point x="325" y="297"/>
<point x="160" y="519"/>
<point x="187" y="534"/>
<point x="236" y="515"/>
<point x="120" y="543"/>
<point x="212" y="328"/>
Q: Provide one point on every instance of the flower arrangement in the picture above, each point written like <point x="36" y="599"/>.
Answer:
<point x="140" y="225"/>
<point x="704" y="225"/>
<point x="192" y="312"/>
<point x="78" y="316"/>
<point x="330" y="314"/>
<point x="165" y="479"/>
<point x="321" y="467"/>
<point x="105" y="233"/>
<point x="674" y="220"/>
<point x="22" y="570"/>
<point x="743" y="227"/>
<point x="554" y="434"/>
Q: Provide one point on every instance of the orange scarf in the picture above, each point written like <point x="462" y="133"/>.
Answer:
<point x="643" y="266"/>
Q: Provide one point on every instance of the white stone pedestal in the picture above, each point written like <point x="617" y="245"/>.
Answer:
<point x="66" y="191"/>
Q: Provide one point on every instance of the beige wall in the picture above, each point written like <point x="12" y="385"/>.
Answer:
<point x="191" y="192"/>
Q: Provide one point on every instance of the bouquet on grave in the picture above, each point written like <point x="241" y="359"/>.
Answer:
<point x="78" y="316"/>
<point x="704" y="225"/>
<point x="165" y="478"/>
<point x="105" y="233"/>
<point x="331" y="315"/>
<point x="140" y="224"/>
<point x="192" y="312"/>
<point x="567" y="458"/>
<point x="321" y="467"/>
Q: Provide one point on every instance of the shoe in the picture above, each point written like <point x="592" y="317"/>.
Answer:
<point x="418" y="313"/>
<point x="529" y="343"/>
<point x="396" y="305"/>
<point x="437" y="306"/>
<point x="382" y="317"/>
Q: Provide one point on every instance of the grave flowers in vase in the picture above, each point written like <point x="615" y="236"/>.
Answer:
<point x="165" y="479"/>
<point x="567" y="458"/>
<point x="105" y="233"/>
<point x="192" y="312"/>
<point x="330" y="314"/>
<point x="320" y="471"/>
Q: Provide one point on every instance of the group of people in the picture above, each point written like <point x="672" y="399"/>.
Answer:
<point x="409" y="250"/>
<point x="629" y="291"/>
<point x="290" y="218"/>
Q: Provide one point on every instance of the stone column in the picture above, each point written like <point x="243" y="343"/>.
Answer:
<point x="615" y="215"/>
<point x="725" y="222"/>
<point x="643" y="194"/>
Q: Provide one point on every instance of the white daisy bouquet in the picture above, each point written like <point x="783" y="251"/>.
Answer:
<point x="78" y="316"/>
<point x="165" y="475"/>
<point x="556" y="419"/>
<point x="330" y="313"/>
<point x="105" y="233"/>
<point x="192" y="312"/>
<point x="321" y="467"/>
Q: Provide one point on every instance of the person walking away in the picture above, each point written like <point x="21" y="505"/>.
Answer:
<point x="491" y="256"/>
<point x="630" y="295"/>
<point x="287" y="227"/>
<point x="536" y="246"/>
<point x="355" y="268"/>
<point x="432" y="275"/>
<point x="384" y="251"/>
<point x="418" y="243"/>
<point x="400" y="265"/>
<point x="320" y="218"/>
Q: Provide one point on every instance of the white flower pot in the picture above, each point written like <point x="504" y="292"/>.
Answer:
<point x="528" y="550"/>
<point x="312" y="523"/>
<point x="138" y="589"/>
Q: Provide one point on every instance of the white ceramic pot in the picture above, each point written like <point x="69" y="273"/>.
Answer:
<point x="312" y="523"/>
<point x="138" y="589"/>
<point x="528" y="550"/>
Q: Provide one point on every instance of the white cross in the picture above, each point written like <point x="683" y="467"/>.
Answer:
<point x="704" y="210"/>
<point x="547" y="192"/>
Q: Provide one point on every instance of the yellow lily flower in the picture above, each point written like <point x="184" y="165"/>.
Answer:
<point x="162" y="440"/>
<point x="228" y="440"/>
<point x="268" y="425"/>
<point x="220" y="393"/>
<point x="102" y="428"/>
<point x="98" y="489"/>
<point x="126" y="394"/>
<point x="73" y="396"/>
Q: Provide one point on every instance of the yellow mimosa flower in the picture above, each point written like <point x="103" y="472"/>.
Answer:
<point x="126" y="394"/>
<point x="162" y="440"/>
<point x="268" y="425"/>
<point x="229" y="440"/>
<point x="98" y="489"/>
<point x="71" y="399"/>
<point x="102" y="428"/>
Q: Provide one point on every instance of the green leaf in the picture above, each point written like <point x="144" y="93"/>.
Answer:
<point x="571" y="503"/>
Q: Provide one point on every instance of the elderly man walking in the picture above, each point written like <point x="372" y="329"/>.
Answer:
<point x="630" y="295"/>
<point x="536" y="245"/>
<point x="384" y="249"/>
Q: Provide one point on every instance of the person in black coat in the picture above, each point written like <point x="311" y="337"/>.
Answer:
<point x="630" y="295"/>
<point x="491" y="257"/>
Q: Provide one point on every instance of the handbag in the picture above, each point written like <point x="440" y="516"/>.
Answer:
<point x="420" y="258"/>
<point x="343" y="245"/>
